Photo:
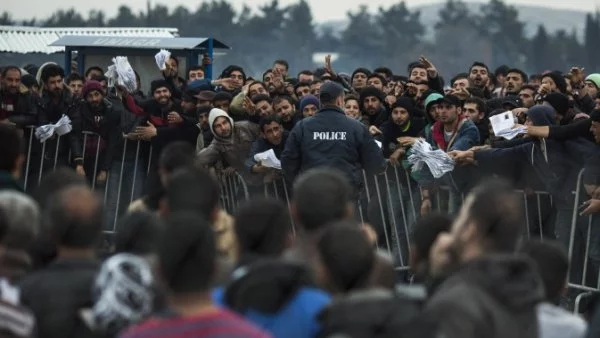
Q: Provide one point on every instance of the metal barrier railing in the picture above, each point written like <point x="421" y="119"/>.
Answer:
<point x="387" y="201"/>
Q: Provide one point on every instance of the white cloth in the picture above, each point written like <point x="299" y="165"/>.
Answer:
<point x="268" y="159"/>
<point x="438" y="161"/>
<point x="61" y="127"/>
<point x="556" y="322"/>
<point x="161" y="58"/>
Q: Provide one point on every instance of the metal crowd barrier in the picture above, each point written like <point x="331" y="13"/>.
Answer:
<point x="390" y="202"/>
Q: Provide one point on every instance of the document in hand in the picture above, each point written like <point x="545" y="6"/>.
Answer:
<point x="268" y="159"/>
<point x="161" y="58"/>
<point x="504" y="125"/>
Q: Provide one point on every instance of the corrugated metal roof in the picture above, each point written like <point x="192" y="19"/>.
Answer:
<point x="137" y="42"/>
<point x="20" y="39"/>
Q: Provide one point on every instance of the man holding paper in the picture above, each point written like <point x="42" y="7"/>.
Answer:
<point x="268" y="148"/>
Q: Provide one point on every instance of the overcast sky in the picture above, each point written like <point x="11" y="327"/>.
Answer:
<point x="322" y="9"/>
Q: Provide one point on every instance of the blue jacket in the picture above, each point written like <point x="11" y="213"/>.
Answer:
<point x="331" y="139"/>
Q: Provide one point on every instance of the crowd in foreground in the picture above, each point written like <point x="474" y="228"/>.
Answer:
<point x="311" y="270"/>
<point x="297" y="281"/>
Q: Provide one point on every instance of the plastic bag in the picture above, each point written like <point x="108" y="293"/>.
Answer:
<point x="161" y="58"/>
<point x="438" y="161"/>
<point x="121" y="73"/>
<point x="61" y="127"/>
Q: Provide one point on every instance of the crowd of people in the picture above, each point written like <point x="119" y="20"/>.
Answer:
<point x="306" y="263"/>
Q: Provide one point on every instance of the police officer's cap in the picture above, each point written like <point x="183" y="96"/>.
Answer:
<point x="330" y="91"/>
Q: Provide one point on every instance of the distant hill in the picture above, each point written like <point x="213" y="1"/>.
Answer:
<point x="553" y="19"/>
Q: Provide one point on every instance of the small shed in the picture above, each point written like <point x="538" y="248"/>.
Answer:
<point x="99" y="50"/>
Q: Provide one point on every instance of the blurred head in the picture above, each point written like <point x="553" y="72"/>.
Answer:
<point x="75" y="218"/>
<point x="552" y="263"/>
<point x="11" y="79"/>
<point x="424" y="234"/>
<point x="139" y="233"/>
<point x="12" y="150"/>
<point x="479" y="230"/>
<point x="334" y="193"/>
<point x="187" y="255"/>
<point x="340" y="243"/>
<point x="193" y="190"/>
<point x="174" y="156"/>
<point x="595" y="129"/>
<point x="263" y="228"/>
<point x="23" y="215"/>
<point x="272" y="129"/>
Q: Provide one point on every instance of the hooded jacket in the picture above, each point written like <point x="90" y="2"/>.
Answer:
<point x="549" y="158"/>
<point x="492" y="297"/>
<point x="276" y="296"/>
<point x="235" y="149"/>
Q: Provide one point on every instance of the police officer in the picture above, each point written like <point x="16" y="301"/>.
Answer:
<point x="331" y="139"/>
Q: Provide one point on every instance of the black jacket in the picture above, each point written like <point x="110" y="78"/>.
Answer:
<point x="391" y="132"/>
<point x="492" y="297"/>
<point x="25" y="111"/>
<point x="105" y="123"/>
<point x="57" y="293"/>
<point x="51" y="113"/>
<point x="331" y="139"/>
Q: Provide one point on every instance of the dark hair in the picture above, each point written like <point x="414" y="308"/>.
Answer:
<point x="381" y="78"/>
<point x="255" y="82"/>
<point x="502" y="70"/>
<point x="262" y="227"/>
<point x="11" y="147"/>
<point x="458" y="77"/>
<point x="414" y="65"/>
<point x="479" y="64"/>
<point x="187" y="253"/>
<point x="55" y="181"/>
<point x="316" y="81"/>
<point x="328" y="186"/>
<point x="72" y="221"/>
<point x="174" y="59"/>
<point x="261" y="97"/>
<point x="193" y="189"/>
<point x="282" y="98"/>
<point x="283" y="63"/>
<point x="222" y="96"/>
<point x="74" y="77"/>
<point x="305" y="72"/>
<point x="268" y="120"/>
<point x="520" y="72"/>
<point x="4" y="224"/>
<point x="266" y="72"/>
<point x="500" y="226"/>
<point x="426" y="231"/>
<point x="52" y="70"/>
<point x="341" y="243"/>
<point x="99" y="78"/>
<point x="139" y="233"/>
<point x="351" y="97"/>
<point x="301" y="84"/>
<point x="481" y="106"/>
<point x="530" y="87"/>
<point x="93" y="69"/>
<point x="7" y="68"/>
<point x="192" y="68"/>
<point x="385" y="70"/>
<point x="232" y="68"/>
<point x="535" y="77"/>
<point x="176" y="155"/>
<point x="552" y="264"/>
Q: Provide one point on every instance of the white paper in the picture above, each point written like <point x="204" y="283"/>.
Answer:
<point x="512" y="133"/>
<point x="378" y="143"/>
<point x="161" y="58"/>
<point x="268" y="159"/>
<point x="121" y="73"/>
<point x="502" y="122"/>
<point x="438" y="161"/>
<point x="61" y="127"/>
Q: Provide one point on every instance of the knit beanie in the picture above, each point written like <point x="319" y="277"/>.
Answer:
<point x="371" y="91"/>
<point x="559" y="102"/>
<point x="156" y="84"/>
<point x="91" y="86"/>
<point x="361" y="70"/>
<point x="309" y="99"/>
<point x="558" y="79"/>
<point x="406" y="103"/>
<point x="594" y="78"/>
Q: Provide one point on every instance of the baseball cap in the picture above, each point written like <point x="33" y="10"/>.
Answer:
<point x="452" y="100"/>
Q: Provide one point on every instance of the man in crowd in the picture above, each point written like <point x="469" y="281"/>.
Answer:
<point x="17" y="104"/>
<point x="11" y="157"/>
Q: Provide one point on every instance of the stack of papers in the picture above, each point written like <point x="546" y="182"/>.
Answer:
<point x="268" y="159"/>
<point x="504" y="126"/>
<point x="438" y="161"/>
